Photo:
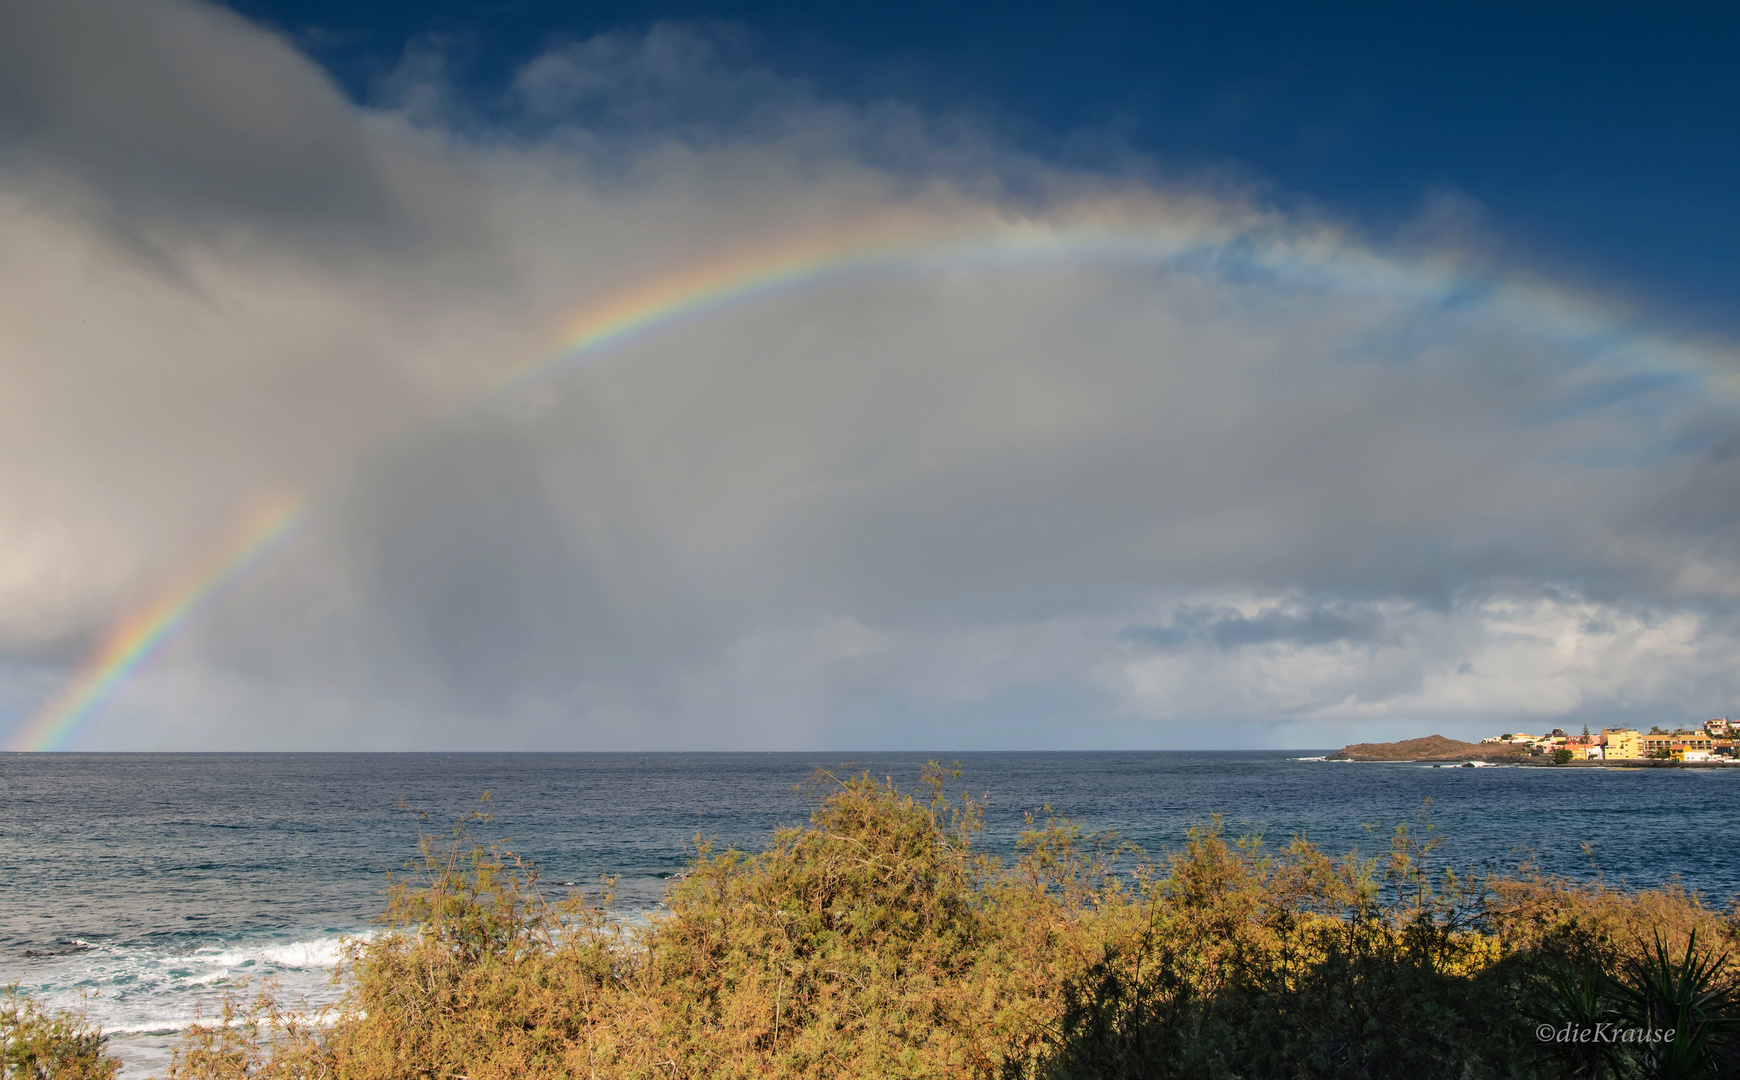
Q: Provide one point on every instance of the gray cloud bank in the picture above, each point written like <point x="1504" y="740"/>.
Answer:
<point x="1072" y="504"/>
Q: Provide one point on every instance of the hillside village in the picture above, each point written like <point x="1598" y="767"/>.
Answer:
<point x="1714" y="742"/>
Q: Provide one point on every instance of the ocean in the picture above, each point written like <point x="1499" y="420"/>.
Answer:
<point x="143" y="887"/>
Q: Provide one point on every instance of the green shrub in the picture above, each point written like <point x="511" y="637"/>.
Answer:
<point x="1693" y="995"/>
<point x="881" y="940"/>
<point x="37" y="1044"/>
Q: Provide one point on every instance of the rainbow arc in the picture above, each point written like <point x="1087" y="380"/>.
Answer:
<point x="888" y="244"/>
<point x="132" y="640"/>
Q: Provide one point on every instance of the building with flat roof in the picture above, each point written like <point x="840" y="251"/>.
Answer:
<point x="1655" y="743"/>
<point x="1622" y="744"/>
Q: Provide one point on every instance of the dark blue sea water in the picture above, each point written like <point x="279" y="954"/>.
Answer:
<point x="157" y="881"/>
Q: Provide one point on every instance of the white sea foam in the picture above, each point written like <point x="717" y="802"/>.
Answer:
<point x="320" y="952"/>
<point x="144" y="994"/>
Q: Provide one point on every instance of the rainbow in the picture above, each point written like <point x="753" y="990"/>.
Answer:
<point x="1154" y="237"/>
<point x="888" y="244"/>
<point x="133" y="639"/>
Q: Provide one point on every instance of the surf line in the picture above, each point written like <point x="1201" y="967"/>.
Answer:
<point x="887" y="244"/>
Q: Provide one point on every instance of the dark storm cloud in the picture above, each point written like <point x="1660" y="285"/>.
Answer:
<point x="1289" y="479"/>
<point x="174" y="116"/>
<point x="184" y="109"/>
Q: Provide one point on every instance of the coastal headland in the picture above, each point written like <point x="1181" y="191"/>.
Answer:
<point x="1430" y="748"/>
<point x="1438" y="749"/>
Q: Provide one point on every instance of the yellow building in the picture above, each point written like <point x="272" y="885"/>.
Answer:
<point x="1651" y="744"/>
<point x="1622" y="744"/>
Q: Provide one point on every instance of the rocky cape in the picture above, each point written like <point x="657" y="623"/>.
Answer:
<point x="1430" y="748"/>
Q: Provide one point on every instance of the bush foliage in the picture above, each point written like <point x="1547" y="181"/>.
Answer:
<point x="882" y="941"/>
<point x="36" y="1044"/>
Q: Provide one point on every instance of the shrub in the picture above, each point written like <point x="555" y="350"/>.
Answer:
<point x="37" y="1044"/>
<point x="881" y="940"/>
<point x="1693" y="995"/>
<point x="1254" y="963"/>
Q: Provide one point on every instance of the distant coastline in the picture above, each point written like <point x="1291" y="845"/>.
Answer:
<point x="1436" y="749"/>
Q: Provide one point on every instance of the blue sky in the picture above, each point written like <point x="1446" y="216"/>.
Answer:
<point x="1237" y="375"/>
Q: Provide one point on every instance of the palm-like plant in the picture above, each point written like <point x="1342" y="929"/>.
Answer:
<point x="1694" y="997"/>
<point x="1582" y="996"/>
